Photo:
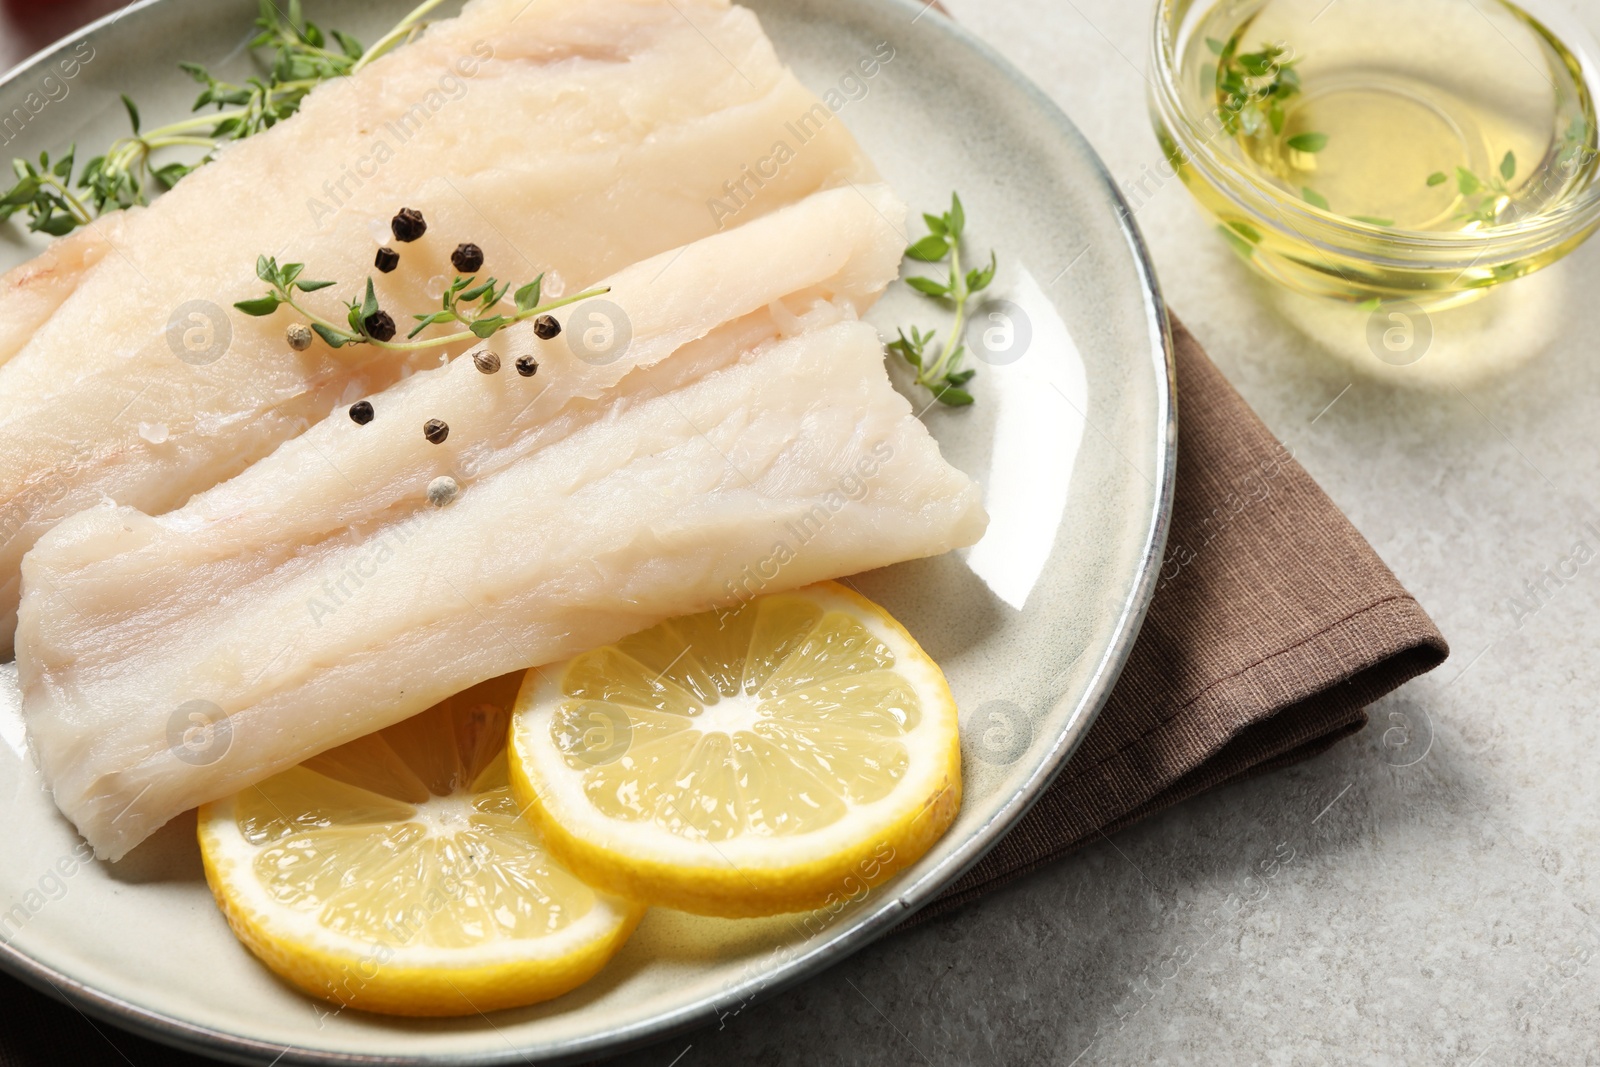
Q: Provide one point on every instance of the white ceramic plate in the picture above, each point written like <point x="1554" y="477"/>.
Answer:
<point x="1072" y="437"/>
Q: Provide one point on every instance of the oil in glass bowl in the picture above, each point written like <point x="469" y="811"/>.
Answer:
<point x="1381" y="148"/>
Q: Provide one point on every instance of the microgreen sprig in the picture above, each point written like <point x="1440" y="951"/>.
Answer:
<point x="941" y="372"/>
<point x="303" y="57"/>
<point x="285" y="281"/>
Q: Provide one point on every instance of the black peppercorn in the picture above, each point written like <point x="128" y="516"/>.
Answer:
<point x="408" y="224"/>
<point x="361" y="412"/>
<point x="527" y="366"/>
<point x="546" y="327"/>
<point x="467" y="258"/>
<point x="435" y="431"/>
<point x="379" y="326"/>
<point x="388" y="259"/>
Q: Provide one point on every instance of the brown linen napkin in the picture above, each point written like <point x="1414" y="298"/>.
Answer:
<point x="1274" y="624"/>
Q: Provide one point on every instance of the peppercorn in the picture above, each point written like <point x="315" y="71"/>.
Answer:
<point x="299" y="336"/>
<point x="435" y="431"/>
<point x="442" y="490"/>
<point x="361" y="412"/>
<point x="527" y="366"/>
<point x="546" y="327"/>
<point x="467" y="258"/>
<point x="379" y="326"/>
<point x="408" y="224"/>
<point x="486" y="361"/>
<point x="388" y="259"/>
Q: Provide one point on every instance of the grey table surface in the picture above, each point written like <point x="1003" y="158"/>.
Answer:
<point x="1425" y="893"/>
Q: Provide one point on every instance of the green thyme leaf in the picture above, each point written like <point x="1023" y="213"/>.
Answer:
<point x="931" y="249"/>
<point x="1467" y="181"/>
<point x="265" y="305"/>
<point x="56" y="225"/>
<point x="1308" y="142"/>
<point x="334" y="338"/>
<point x="1508" y="165"/>
<point x="21" y="193"/>
<point x="928" y="285"/>
<point x="978" y="280"/>
<point x="1215" y="46"/>
<point x="1247" y="231"/>
<point x="1314" y="198"/>
<point x="1438" y="177"/>
<point x="369" y="302"/>
<point x="528" y="296"/>
<point x="1240" y="245"/>
<point x="1256" y="63"/>
<point x="910" y="350"/>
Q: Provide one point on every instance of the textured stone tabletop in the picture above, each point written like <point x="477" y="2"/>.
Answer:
<point x="1425" y="893"/>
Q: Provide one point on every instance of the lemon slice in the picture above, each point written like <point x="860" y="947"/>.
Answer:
<point x="758" y="761"/>
<point x="396" y="874"/>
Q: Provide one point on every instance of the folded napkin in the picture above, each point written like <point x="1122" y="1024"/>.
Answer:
<point x="1274" y="624"/>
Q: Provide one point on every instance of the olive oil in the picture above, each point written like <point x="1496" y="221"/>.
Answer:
<point x="1397" y="119"/>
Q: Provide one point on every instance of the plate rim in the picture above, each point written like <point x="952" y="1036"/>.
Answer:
<point x="206" y="1040"/>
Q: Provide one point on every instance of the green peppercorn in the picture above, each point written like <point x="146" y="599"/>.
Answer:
<point x="299" y="336"/>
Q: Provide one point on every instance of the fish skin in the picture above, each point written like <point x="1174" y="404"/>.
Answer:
<point x="562" y="136"/>
<point x="316" y="598"/>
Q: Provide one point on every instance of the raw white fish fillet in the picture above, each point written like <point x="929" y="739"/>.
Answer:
<point x="747" y="440"/>
<point x="568" y="136"/>
<point x="31" y="293"/>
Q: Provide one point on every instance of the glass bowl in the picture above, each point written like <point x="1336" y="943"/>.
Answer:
<point x="1439" y="85"/>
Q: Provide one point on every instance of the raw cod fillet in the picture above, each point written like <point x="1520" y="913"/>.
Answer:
<point x="747" y="440"/>
<point x="569" y="136"/>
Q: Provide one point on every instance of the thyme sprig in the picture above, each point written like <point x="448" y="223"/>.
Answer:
<point x="941" y="372"/>
<point x="1483" y="200"/>
<point x="303" y="57"/>
<point x="1254" y="87"/>
<point x="482" y="321"/>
